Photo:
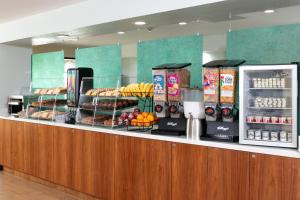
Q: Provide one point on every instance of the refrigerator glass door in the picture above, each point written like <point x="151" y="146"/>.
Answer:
<point x="268" y="105"/>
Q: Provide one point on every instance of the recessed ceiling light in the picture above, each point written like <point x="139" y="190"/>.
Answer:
<point x="42" y="41"/>
<point x="73" y="38"/>
<point x="121" y="32"/>
<point x="140" y="23"/>
<point x="182" y="23"/>
<point x="67" y="38"/>
<point x="269" y="11"/>
<point x="63" y="36"/>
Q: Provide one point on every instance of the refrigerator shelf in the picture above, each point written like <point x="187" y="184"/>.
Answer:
<point x="268" y="123"/>
<point x="278" y="141"/>
<point x="252" y="107"/>
<point x="270" y="88"/>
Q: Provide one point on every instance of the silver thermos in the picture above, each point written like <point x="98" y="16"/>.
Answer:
<point x="189" y="127"/>
<point x="196" y="129"/>
<point x="193" y="128"/>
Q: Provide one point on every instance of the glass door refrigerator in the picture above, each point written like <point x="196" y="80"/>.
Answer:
<point x="268" y="105"/>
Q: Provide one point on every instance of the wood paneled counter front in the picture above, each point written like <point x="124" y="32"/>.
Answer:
<point x="119" y="167"/>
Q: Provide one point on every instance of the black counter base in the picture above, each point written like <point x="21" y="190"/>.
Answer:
<point x="220" y="139"/>
<point x="222" y="131"/>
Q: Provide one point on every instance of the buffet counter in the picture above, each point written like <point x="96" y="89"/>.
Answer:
<point x="114" y="164"/>
<point x="285" y="152"/>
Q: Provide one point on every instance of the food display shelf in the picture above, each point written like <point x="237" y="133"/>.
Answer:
<point x="49" y="107"/>
<point x="114" y="100"/>
<point x="114" y="97"/>
<point x="107" y="111"/>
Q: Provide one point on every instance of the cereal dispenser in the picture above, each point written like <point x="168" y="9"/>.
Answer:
<point x="168" y="81"/>
<point x="219" y="87"/>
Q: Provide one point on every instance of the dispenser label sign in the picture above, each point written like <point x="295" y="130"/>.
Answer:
<point x="159" y="84"/>
<point x="173" y="85"/>
<point x="222" y="128"/>
<point x="227" y="88"/>
<point x="227" y="80"/>
<point x="171" y="124"/>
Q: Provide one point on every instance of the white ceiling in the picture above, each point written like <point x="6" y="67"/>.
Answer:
<point x="16" y="9"/>
<point x="212" y="19"/>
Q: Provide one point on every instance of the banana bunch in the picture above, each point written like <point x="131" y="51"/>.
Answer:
<point x="137" y="90"/>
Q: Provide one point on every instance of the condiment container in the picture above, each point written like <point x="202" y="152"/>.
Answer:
<point x="250" y="119"/>
<point x="282" y="120"/>
<point x="251" y="134"/>
<point x="266" y="119"/>
<point x="258" y="119"/>
<point x="265" y="135"/>
<point x="274" y="120"/>
<point x="274" y="136"/>
<point x="289" y="120"/>
<point x="283" y="136"/>
<point x="289" y="137"/>
<point x="257" y="134"/>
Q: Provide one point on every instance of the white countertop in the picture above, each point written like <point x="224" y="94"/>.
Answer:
<point x="293" y="153"/>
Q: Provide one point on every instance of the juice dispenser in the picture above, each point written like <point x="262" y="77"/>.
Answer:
<point x="194" y="113"/>
<point x="74" y="85"/>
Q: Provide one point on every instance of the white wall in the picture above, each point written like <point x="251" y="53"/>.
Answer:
<point x="214" y="47"/>
<point x="88" y="13"/>
<point x="214" y="42"/>
<point x="129" y="50"/>
<point x="129" y="69"/>
<point x="213" y="55"/>
<point x="129" y="62"/>
<point x="15" y="70"/>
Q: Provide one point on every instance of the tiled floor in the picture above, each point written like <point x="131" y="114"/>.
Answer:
<point x="17" y="188"/>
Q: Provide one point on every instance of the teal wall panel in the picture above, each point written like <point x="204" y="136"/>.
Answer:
<point x="270" y="45"/>
<point x="171" y="50"/>
<point x="105" y="61"/>
<point x="47" y="70"/>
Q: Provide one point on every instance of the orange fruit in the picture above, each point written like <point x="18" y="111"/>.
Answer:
<point x="140" y="117"/>
<point x="140" y="121"/>
<point x="146" y="122"/>
<point x="145" y="114"/>
<point x="150" y="117"/>
<point x="133" y="122"/>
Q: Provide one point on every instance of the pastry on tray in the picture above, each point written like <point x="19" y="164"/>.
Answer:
<point x="46" y="114"/>
<point x="97" y="91"/>
<point x="51" y="91"/>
